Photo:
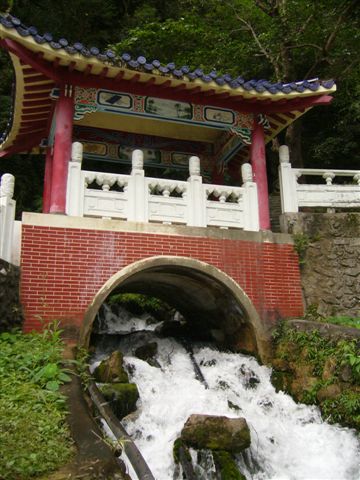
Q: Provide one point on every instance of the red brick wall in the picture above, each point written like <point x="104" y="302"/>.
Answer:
<point x="63" y="268"/>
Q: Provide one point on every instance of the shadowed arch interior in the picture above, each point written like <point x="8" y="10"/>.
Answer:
<point x="208" y="298"/>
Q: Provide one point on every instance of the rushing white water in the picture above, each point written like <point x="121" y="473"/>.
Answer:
<point x="289" y="441"/>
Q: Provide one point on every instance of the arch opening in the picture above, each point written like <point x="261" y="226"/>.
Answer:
<point x="214" y="306"/>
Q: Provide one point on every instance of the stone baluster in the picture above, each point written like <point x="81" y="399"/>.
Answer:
<point x="288" y="182"/>
<point x="137" y="193"/>
<point x="246" y="173"/>
<point x="7" y="216"/>
<point x="75" y="185"/>
<point x="249" y="199"/>
<point x="328" y="177"/>
<point x="196" y="195"/>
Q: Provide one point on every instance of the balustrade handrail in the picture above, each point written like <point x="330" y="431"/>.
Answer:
<point x="329" y="195"/>
<point x="321" y="171"/>
<point x="147" y="199"/>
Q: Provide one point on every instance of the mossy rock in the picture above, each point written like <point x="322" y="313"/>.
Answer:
<point x="226" y="465"/>
<point x="178" y="446"/>
<point x="216" y="433"/>
<point x="111" y="370"/>
<point x="122" y="397"/>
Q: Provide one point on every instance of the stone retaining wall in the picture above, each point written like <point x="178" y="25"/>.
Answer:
<point x="330" y="270"/>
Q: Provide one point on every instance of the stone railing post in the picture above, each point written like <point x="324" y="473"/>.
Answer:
<point x="137" y="194"/>
<point x="251" y="203"/>
<point x="196" y="195"/>
<point x="288" y="182"/>
<point x="7" y="216"/>
<point x="75" y="186"/>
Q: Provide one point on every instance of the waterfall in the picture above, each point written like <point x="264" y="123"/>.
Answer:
<point x="289" y="441"/>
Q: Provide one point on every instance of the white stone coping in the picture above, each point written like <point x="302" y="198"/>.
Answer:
<point x="104" y="224"/>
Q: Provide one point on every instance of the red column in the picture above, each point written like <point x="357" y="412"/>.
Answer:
<point x="258" y="162"/>
<point x="47" y="180"/>
<point x="62" y="150"/>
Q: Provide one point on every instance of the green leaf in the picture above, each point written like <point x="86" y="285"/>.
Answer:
<point x="64" y="377"/>
<point x="53" y="386"/>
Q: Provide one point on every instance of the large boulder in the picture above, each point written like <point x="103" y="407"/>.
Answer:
<point x="111" y="370"/>
<point x="216" y="433"/>
<point x="122" y="397"/>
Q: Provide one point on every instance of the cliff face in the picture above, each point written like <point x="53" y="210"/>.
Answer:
<point x="329" y="245"/>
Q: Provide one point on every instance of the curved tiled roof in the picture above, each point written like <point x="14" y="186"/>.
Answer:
<point x="42" y="63"/>
<point x="142" y="64"/>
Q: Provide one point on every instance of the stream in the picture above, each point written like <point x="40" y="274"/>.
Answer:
<point x="289" y="441"/>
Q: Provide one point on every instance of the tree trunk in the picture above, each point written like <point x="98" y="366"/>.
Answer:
<point x="293" y="141"/>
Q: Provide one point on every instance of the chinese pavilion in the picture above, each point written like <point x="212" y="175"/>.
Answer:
<point x="112" y="105"/>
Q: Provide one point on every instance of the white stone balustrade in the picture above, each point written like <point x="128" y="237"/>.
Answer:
<point x="138" y="198"/>
<point x="326" y="193"/>
<point x="9" y="228"/>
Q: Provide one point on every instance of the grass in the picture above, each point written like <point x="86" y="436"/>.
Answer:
<point x="34" y="436"/>
<point x="343" y="320"/>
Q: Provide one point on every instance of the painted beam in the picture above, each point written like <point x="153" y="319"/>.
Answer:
<point x="258" y="162"/>
<point x="62" y="150"/>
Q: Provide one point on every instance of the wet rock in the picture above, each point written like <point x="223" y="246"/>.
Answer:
<point x="328" y="392"/>
<point x="111" y="370"/>
<point x="233" y="406"/>
<point x="216" y="433"/>
<point x="208" y="363"/>
<point x="122" y="397"/>
<point x="250" y="377"/>
<point x="223" y="385"/>
<point x="147" y="351"/>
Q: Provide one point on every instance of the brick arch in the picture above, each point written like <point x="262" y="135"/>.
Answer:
<point x="185" y="282"/>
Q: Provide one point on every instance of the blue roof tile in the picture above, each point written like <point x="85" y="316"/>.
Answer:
<point x="63" y="42"/>
<point x="48" y="37"/>
<point x="141" y="60"/>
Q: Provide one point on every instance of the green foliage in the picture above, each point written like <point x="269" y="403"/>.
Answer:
<point x="82" y="367"/>
<point x="301" y="244"/>
<point x="316" y="349"/>
<point x="138" y="303"/>
<point x="34" y="436"/>
<point x="344" y="409"/>
<point x="305" y="349"/>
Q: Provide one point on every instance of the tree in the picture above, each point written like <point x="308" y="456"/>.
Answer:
<point x="285" y="40"/>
